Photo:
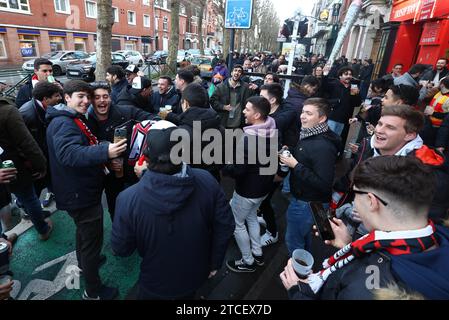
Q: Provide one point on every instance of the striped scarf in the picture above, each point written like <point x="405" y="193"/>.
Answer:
<point x="314" y="131"/>
<point x="440" y="105"/>
<point x="394" y="243"/>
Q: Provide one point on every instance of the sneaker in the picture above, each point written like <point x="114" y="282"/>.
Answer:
<point x="48" y="199"/>
<point x="259" y="260"/>
<point x="262" y="221"/>
<point x="240" y="266"/>
<point x="100" y="263"/>
<point x="105" y="293"/>
<point x="267" y="238"/>
<point x="46" y="236"/>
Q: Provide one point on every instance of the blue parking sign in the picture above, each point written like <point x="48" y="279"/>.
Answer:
<point x="238" y="14"/>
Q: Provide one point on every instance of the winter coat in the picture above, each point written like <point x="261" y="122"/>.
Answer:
<point x="159" y="101"/>
<point x="77" y="168"/>
<point x="341" y="100"/>
<point x="313" y="176"/>
<point x="19" y="146"/>
<point x="222" y="96"/>
<point x="249" y="180"/>
<point x="117" y="89"/>
<point x="128" y="98"/>
<point x="179" y="224"/>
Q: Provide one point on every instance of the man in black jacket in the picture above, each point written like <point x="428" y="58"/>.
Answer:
<point x="252" y="183"/>
<point x="43" y="68"/>
<point x="137" y="94"/>
<point x="312" y="165"/>
<point x="166" y="95"/>
<point x="33" y="112"/>
<point x="343" y="99"/>
<point x="104" y="118"/>
<point x="196" y="118"/>
<point x="115" y="75"/>
<point x="438" y="73"/>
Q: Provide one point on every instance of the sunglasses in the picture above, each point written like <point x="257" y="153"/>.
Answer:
<point x="366" y="192"/>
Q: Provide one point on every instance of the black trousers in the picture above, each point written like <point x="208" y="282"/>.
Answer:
<point x="267" y="211"/>
<point x="89" y="242"/>
<point x="112" y="187"/>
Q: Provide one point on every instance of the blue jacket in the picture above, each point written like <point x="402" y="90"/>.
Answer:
<point x="76" y="167"/>
<point x="180" y="226"/>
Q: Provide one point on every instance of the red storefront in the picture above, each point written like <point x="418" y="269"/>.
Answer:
<point x="423" y="34"/>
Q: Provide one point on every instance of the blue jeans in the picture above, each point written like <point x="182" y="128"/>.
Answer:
<point x="335" y="126"/>
<point x="30" y="201"/>
<point x="299" y="225"/>
<point x="286" y="184"/>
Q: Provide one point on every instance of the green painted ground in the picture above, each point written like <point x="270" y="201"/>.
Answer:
<point x="45" y="269"/>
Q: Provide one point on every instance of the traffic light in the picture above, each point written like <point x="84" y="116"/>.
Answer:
<point x="303" y="28"/>
<point x="287" y="28"/>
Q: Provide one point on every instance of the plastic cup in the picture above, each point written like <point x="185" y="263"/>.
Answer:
<point x="302" y="263"/>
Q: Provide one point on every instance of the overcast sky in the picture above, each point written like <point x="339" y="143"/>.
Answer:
<point x="286" y="8"/>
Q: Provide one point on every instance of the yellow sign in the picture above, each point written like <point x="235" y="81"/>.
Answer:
<point x="324" y="15"/>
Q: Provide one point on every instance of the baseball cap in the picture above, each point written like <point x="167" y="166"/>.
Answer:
<point x="132" y="69"/>
<point x="140" y="83"/>
<point x="158" y="142"/>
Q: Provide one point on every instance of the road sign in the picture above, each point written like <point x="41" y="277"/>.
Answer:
<point x="238" y="14"/>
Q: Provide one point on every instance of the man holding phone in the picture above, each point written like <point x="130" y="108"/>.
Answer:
<point x="407" y="252"/>
<point x="78" y="169"/>
<point x="312" y="168"/>
<point x="106" y="119"/>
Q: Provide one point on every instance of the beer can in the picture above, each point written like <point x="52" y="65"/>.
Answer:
<point x="8" y="164"/>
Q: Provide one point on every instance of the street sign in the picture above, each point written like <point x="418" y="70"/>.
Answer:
<point x="238" y="14"/>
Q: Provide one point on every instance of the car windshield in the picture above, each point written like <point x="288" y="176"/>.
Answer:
<point x="118" y="57"/>
<point x="194" y="51"/>
<point x="54" y="54"/>
<point x="201" y="60"/>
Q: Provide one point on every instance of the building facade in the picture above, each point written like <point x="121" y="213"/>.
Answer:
<point x="29" y="29"/>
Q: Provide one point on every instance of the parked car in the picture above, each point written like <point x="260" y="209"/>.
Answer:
<point x="85" y="70"/>
<point x="204" y="63"/>
<point x="133" y="57"/>
<point x="60" y="60"/>
<point x="158" y="57"/>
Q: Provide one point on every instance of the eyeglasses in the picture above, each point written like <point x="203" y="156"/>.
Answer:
<point x="366" y="192"/>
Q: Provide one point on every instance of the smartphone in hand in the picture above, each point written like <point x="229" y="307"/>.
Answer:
<point x="321" y="217"/>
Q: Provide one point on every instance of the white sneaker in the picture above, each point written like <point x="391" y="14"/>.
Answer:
<point x="262" y="221"/>
<point x="267" y="238"/>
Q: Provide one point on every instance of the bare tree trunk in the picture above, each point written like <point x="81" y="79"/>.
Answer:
<point x="104" y="36"/>
<point x="174" y="35"/>
<point x="203" y="6"/>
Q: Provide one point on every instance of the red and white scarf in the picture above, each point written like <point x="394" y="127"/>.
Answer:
<point x="394" y="243"/>
<point x="34" y="80"/>
<point x="93" y="141"/>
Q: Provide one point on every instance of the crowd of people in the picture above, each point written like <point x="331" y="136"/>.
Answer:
<point x="388" y="209"/>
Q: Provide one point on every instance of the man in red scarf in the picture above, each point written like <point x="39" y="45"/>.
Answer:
<point x="403" y="247"/>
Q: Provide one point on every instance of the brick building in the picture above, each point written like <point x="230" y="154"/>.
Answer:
<point x="29" y="29"/>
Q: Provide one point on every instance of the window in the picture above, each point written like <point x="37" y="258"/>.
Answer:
<point x="131" y="17"/>
<point x="28" y="46"/>
<point x="62" y="6"/>
<point x="165" y="24"/>
<point x="165" y="4"/>
<point x="15" y="5"/>
<point x="91" y="9"/>
<point x="146" y="21"/>
<point x="56" y="44"/>
<point x="182" y="9"/>
<point x="146" y="2"/>
<point x="156" y="23"/>
<point x="130" y="46"/>
<point x="2" y="48"/>
<point x="80" y="44"/>
<point x="115" y="13"/>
